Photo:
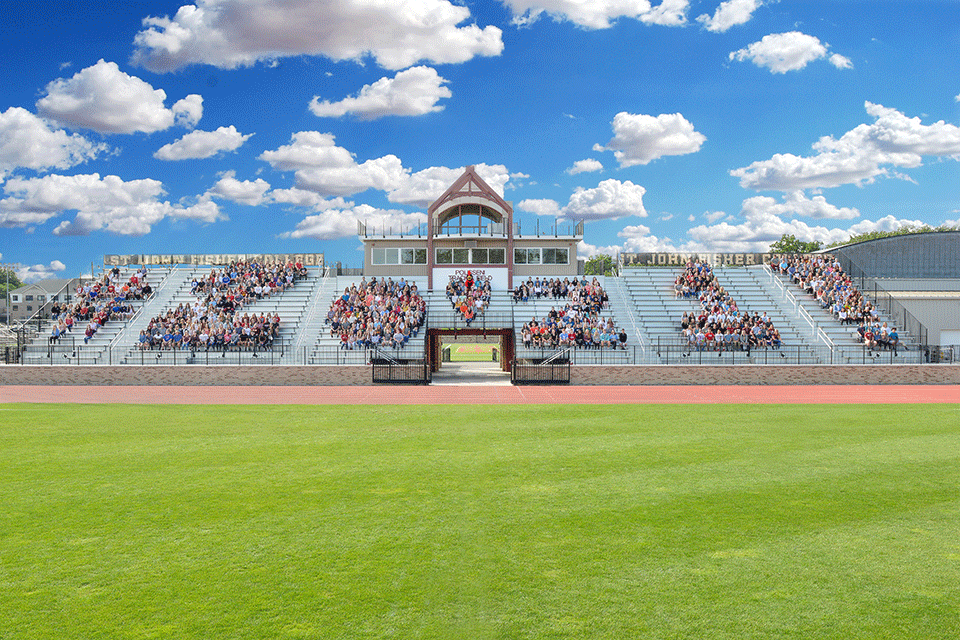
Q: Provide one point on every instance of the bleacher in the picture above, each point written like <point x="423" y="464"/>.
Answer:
<point x="539" y="308"/>
<point x="323" y="348"/>
<point x="642" y="301"/>
<point x="71" y="347"/>
<point x="843" y="338"/>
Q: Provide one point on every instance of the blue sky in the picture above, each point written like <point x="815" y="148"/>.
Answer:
<point x="231" y="126"/>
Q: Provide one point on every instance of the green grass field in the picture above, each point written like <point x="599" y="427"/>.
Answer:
<point x="471" y="352"/>
<point x="470" y="522"/>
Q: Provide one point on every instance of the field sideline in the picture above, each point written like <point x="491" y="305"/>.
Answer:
<point x="574" y="521"/>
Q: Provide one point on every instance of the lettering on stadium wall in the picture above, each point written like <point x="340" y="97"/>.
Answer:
<point x="306" y="259"/>
<point x="681" y="259"/>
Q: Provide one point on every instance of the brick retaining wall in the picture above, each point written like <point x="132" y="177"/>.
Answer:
<point x="766" y="375"/>
<point x="193" y="375"/>
<point x="277" y="375"/>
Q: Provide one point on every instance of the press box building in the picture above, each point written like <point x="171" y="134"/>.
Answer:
<point x="470" y="227"/>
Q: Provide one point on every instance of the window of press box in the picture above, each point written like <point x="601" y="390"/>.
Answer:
<point x="555" y="256"/>
<point x="541" y="256"/>
<point x="471" y="256"/>
<point x="398" y="256"/>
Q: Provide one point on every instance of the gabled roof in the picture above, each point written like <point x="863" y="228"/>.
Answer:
<point x="50" y="285"/>
<point x="471" y="185"/>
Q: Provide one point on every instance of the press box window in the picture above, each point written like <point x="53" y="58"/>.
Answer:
<point x="555" y="256"/>
<point x="526" y="256"/>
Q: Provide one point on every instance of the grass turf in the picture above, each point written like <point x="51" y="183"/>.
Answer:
<point x="471" y="352"/>
<point x="479" y="522"/>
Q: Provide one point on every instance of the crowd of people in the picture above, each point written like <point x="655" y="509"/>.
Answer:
<point x="213" y="321"/>
<point x="572" y="328"/>
<point x="719" y="325"/>
<point x="105" y="299"/>
<point x="577" y="324"/>
<point x="468" y="296"/>
<point x="378" y="313"/>
<point x="822" y="277"/>
<point x="580" y="293"/>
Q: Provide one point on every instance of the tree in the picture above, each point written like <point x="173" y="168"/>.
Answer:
<point x="788" y="243"/>
<point x="599" y="265"/>
<point x="8" y="277"/>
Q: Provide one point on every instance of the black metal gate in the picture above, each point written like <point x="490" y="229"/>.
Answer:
<point x="554" y="370"/>
<point x="401" y="371"/>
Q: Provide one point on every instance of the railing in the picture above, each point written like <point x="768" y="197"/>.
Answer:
<point x="815" y="329"/>
<point x="804" y="315"/>
<point x="76" y="353"/>
<point x="575" y="231"/>
<point x="555" y="371"/>
<point x="897" y="313"/>
<point x="488" y="320"/>
<point x="628" y="304"/>
<point x="407" y="371"/>
<point x="122" y="334"/>
<point x="38" y="314"/>
<point x="322" y="274"/>
<point x="668" y="354"/>
<point x="823" y="337"/>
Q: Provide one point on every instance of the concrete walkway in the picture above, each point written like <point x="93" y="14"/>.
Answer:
<point x="471" y="373"/>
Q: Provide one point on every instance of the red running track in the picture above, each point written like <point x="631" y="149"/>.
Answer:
<point x="478" y="394"/>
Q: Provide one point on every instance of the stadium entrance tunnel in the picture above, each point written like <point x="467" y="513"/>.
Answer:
<point x="450" y="347"/>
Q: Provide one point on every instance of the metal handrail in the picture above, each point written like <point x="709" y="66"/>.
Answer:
<point x="24" y="323"/>
<point x="136" y="315"/>
<point x="323" y="276"/>
<point x="633" y="320"/>
<point x="557" y="355"/>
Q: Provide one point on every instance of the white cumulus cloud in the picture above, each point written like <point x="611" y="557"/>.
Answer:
<point x="28" y="142"/>
<point x="587" y="250"/>
<point x="423" y="187"/>
<point x="412" y="92"/>
<point x="307" y="199"/>
<point x="599" y="14"/>
<point x="202" y="144"/>
<point x="791" y="51"/>
<point x="729" y="14"/>
<point x="585" y="166"/>
<point x="342" y="223"/>
<point x="841" y="62"/>
<point x="609" y="200"/>
<point x="795" y="203"/>
<point x="37" y="272"/>
<point x="637" y="238"/>
<point x="235" y="33"/>
<point x="248" y="192"/>
<point x="763" y="225"/>
<point x="640" y="138"/>
<point x="105" y="99"/>
<point x="320" y="166"/>
<point x="540" y="207"/>
<point x="858" y="156"/>
<point x="123" y="208"/>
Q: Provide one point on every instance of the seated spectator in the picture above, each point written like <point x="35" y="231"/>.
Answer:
<point x="589" y="296"/>
<point x="374" y="313"/>
<point x="213" y="320"/>
<point x="720" y="325"/>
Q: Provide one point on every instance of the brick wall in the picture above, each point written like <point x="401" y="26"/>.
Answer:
<point x="160" y="375"/>
<point x="583" y="375"/>
<point x="766" y="375"/>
